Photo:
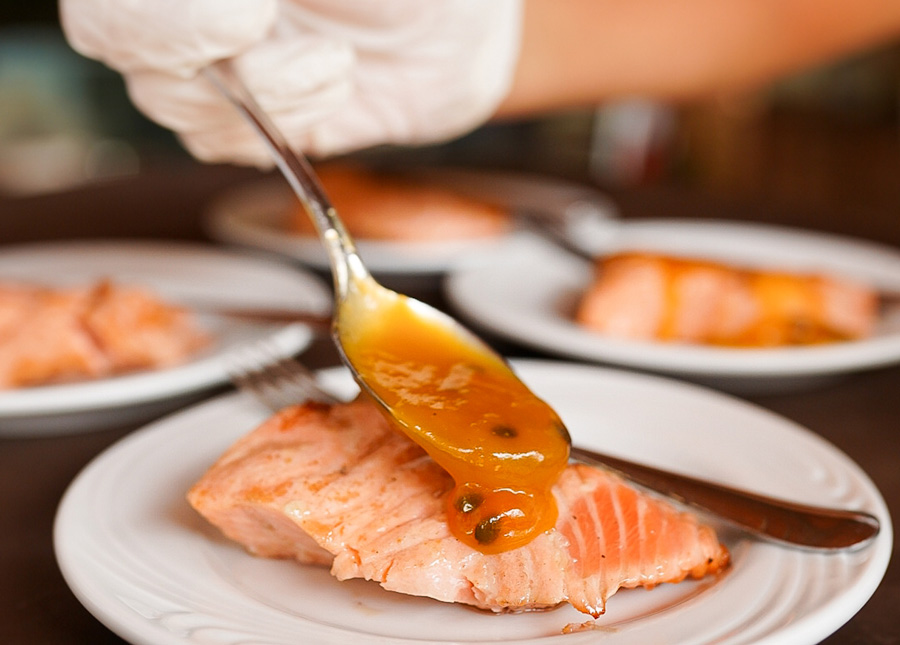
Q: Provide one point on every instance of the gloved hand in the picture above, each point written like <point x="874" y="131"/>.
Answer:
<point x="335" y="75"/>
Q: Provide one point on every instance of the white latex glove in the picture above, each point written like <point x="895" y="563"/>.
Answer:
<point x="335" y="75"/>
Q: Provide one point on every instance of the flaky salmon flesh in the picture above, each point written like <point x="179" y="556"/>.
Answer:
<point x="64" y="334"/>
<point x="336" y="486"/>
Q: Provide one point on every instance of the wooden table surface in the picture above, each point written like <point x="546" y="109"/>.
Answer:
<point x="858" y="414"/>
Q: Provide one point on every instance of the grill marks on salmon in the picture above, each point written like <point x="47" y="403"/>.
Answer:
<point x="51" y="335"/>
<point x="646" y="296"/>
<point x="335" y="485"/>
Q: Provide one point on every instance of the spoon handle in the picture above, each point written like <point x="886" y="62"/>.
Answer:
<point x="799" y="525"/>
<point x="296" y="169"/>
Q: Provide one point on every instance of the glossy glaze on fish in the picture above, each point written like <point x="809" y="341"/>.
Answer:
<point x="645" y="296"/>
<point x="335" y="485"/>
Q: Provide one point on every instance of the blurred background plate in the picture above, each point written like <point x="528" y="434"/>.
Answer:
<point x="177" y="272"/>
<point x="529" y="294"/>
<point x="257" y="215"/>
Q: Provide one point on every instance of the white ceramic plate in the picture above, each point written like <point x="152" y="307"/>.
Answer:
<point x="178" y="272"/>
<point x="528" y="294"/>
<point x="256" y="215"/>
<point x="144" y="563"/>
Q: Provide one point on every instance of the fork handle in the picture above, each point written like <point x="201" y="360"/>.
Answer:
<point x="800" y="525"/>
<point x="266" y="315"/>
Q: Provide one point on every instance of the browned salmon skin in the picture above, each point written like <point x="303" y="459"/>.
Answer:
<point x="335" y="485"/>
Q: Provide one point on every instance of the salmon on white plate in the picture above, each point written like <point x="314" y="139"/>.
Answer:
<point x="336" y="485"/>
<point x="647" y="296"/>
<point x="54" y="334"/>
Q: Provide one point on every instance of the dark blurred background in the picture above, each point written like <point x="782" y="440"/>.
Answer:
<point x="825" y="142"/>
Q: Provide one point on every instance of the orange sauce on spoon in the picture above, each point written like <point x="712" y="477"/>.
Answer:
<point x="503" y="446"/>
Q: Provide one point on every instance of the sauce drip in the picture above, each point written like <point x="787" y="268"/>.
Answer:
<point x="503" y="446"/>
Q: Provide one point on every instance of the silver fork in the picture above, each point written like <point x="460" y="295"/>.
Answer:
<point x="277" y="382"/>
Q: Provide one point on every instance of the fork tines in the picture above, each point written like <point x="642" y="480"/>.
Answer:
<point x="276" y="380"/>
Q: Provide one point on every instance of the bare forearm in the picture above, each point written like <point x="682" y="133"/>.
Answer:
<point x="582" y="52"/>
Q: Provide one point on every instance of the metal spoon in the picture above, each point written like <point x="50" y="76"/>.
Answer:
<point x="434" y="379"/>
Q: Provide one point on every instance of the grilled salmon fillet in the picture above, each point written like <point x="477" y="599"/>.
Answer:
<point x="336" y="485"/>
<point x="645" y="296"/>
<point x="51" y="335"/>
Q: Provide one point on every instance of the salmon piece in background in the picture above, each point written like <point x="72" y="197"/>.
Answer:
<point x="53" y="335"/>
<point x="652" y="297"/>
<point x="381" y="206"/>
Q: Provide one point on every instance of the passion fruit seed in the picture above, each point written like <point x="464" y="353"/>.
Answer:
<point x="468" y="503"/>
<point x="487" y="530"/>
<point x="507" y="432"/>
